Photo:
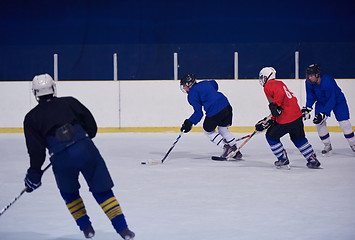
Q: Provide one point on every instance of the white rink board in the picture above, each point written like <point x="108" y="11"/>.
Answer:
<point x="152" y="103"/>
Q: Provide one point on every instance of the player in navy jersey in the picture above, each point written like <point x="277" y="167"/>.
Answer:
<point x="325" y="93"/>
<point x="205" y="94"/>
<point x="65" y="127"/>
<point x="286" y="119"/>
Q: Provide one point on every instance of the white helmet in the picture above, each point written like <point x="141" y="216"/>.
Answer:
<point x="266" y="74"/>
<point x="43" y="85"/>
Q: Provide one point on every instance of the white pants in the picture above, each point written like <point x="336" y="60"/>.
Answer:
<point x="345" y="127"/>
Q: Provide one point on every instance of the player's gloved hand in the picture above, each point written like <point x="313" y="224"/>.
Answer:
<point x="306" y="113"/>
<point x="320" y="118"/>
<point x="33" y="179"/>
<point x="186" y="126"/>
<point x="275" y="110"/>
<point x="263" y="124"/>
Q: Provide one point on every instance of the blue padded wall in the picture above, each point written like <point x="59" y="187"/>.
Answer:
<point x="145" y="34"/>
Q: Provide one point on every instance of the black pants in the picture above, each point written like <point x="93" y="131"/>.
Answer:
<point x="222" y="119"/>
<point x="295" y="129"/>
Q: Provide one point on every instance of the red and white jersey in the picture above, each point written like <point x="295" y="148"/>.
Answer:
<point x="280" y="95"/>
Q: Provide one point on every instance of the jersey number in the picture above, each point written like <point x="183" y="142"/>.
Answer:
<point x="288" y="94"/>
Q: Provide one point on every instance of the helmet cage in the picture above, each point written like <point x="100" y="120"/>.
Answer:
<point x="266" y="74"/>
<point x="188" y="80"/>
<point x="313" y="69"/>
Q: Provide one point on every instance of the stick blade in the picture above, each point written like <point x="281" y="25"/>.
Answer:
<point x="151" y="162"/>
<point x="217" y="158"/>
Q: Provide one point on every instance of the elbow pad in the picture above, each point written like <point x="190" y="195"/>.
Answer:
<point x="275" y="110"/>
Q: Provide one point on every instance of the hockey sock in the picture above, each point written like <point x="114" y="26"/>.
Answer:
<point x="348" y="131"/>
<point x="276" y="147"/>
<point x="304" y="147"/>
<point x="215" y="137"/>
<point x="227" y="135"/>
<point x="323" y="133"/>
<point x="112" y="209"/>
<point x="77" y="209"/>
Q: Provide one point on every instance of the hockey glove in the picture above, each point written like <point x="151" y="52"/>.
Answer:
<point x="320" y="118"/>
<point x="262" y="125"/>
<point x="275" y="110"/>
<point x="186" y="126"/>
<point x="306" y="113"/>
<point x="33" y="179"/>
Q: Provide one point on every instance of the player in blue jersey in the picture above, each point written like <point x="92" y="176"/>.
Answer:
<point x="204" y="94"/>
<point x="327" y="96"/>
<point x="65" y="127"/>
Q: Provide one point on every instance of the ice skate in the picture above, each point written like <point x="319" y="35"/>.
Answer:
<point x="313" y="162"/>
<point x="238" y="156"/>
<point x="127" y="234"/>
<point x="228" y="150"/>
<point x="89" y="232"/>
<point x="283" y="162"/>
<point x="327" y="149"/>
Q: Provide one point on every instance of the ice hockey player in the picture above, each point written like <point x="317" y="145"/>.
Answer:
<point x="286" y="119"/>
<point x="325" y="93"/>
<point x="218" y="113"/>
<point x="65" y="127"/>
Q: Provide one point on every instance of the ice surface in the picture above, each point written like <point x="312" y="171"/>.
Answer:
<point x="190" y="196"/>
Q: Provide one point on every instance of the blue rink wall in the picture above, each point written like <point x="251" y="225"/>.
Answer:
<point x="154" y="106"/>
<point x="145" y="35"/>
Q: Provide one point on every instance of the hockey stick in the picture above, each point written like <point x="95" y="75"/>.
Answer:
<point x="217" y="158"/>
<point x="151" y="161"/>
<point x="248" y="137"/>
<point x="251" y="135"/>
<point x="22" y="192"/>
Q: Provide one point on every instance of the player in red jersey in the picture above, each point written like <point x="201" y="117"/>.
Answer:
<point x="286" y="119"/>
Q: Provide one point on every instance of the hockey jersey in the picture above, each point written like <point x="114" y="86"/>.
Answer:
<point x="284" y="98"/>
<point x="46" y="117"/>
<point x="326" y="95"/>
<point x="205" y="94"/>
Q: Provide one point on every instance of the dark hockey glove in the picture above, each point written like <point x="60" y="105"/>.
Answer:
<point x="33" y="179"/>
<point x="263" y="124"/>
<point x="320" y="118"/>
<point x="186" y="126"/>
<point x="275" y="110"/>
<point x="306" y="113"/>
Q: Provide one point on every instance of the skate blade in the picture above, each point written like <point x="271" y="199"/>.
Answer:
<point x="286" y="167"/>
<point x="327" y="154"/>
<point x="320" y="167"/>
